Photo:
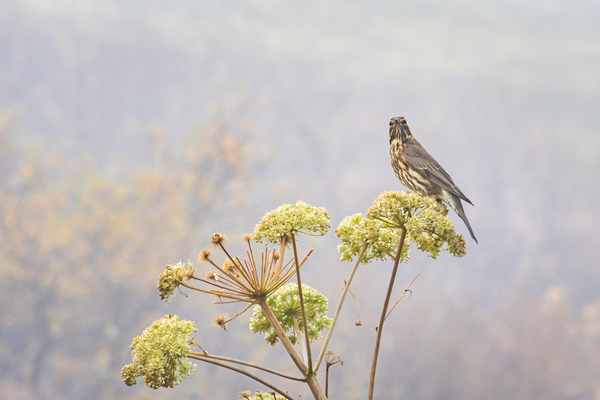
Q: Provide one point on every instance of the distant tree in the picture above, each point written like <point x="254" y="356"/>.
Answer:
<point x="70" y="236"/>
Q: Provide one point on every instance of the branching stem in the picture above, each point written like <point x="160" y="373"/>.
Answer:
<point x="248" y="364"/>
<point x="243" y="372"/>
<point x="289" y="347"/>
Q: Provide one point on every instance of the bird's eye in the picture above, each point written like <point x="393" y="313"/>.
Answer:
<point x="404" y="121"/>
<point x="391" y="123"/>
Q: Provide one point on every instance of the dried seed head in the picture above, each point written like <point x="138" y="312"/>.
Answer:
<point x="220" y="321"/>
<point x="245" y="395"/>
<point x="247" y="237"/>
<point x="213" y="275"/>
<point x="229" y="267"/>
<point x="204" y="255"/>
<point x="358" y="322"/>
<point x="189" y="272"/>
<point x="217" y="240"/>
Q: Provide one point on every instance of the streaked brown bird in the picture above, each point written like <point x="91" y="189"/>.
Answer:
<point x="417" y="170"/>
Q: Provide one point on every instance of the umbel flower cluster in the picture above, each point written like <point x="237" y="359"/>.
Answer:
<point x="247" y="395"/>
<point x="160" y="353"/>
<point x="286" y="220"/>
<point x="285" y="304"/>
<point x="425" y="220"/>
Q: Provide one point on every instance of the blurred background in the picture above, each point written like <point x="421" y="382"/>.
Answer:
<point x="130" y="131"/>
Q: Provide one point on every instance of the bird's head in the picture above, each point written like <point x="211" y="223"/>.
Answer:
<point x="399" y="130"/>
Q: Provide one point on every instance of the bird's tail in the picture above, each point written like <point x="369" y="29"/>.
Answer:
<point x="456" y="205"/>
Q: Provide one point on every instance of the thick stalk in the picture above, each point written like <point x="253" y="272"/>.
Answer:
<point x="311" y="378"/>
<point x="383" y="315"/>
<point x="289" y="347"/>
<point x="314" y="386"/>
<point x="339" y="309"/>
<point x="309" y="361"/>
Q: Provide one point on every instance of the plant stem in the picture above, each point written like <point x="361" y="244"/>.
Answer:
<point x="311" y="378"/>
<point x="308" y="352"/>
<point x="384" y="313"/>
<point x="339" y="309"/>
<point x="315" y="388"/>
<point x="243" y="372"/>
<point x="402" y="295"/>
<point x="327" y="381"/>
<point x="248" y="364"/>
<point x="289" y="347"/>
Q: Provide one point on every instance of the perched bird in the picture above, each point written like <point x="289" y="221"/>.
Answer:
<point x="417" y="170"/>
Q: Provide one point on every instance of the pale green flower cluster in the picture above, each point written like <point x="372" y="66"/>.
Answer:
<point x="382" y="241"/>
<point x="287" y="219"/>
<point x="260" y="396"/>
<point x="160" y="353"/>
<point x="172" y="277"/>
<point x="397" y="207"/>
<point x="426" y="221"/>
<point x="430" y="231"/>
<point x="285" y="304"/>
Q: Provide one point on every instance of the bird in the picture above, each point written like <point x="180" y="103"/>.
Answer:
<point x="417" y="170"/>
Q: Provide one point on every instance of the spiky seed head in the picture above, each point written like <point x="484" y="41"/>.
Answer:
<point x="229" y="267"/>
<point x="217" y="240"/>
<point x="245" y="395"/>
<point x="189" y="272"/>
<point x="247" y="237"/>
<point x="204" y="255"/>
<point x="213" y="276"/>
<point x="220" y="321"/>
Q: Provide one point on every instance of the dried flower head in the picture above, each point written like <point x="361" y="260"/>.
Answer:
<point x="245" y="280"/>
<point x="247" y="237"/>
<point x="189" y="272"/>
<point x="245" y="395"/>
<point x="220" y="321"/>
<point x="229" y="267"/>
<point x="204" y="255"/>
<point x="212" y="275"/>
<point x="217" y="240"/>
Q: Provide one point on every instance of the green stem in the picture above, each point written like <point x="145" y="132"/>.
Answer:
<point x="339" y="309"/>
<point x="383" y="315"/>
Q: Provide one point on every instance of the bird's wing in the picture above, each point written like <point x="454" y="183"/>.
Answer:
<point x="418" y="158"/>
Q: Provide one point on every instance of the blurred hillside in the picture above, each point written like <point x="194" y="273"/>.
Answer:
<point x="133" y="130"/>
